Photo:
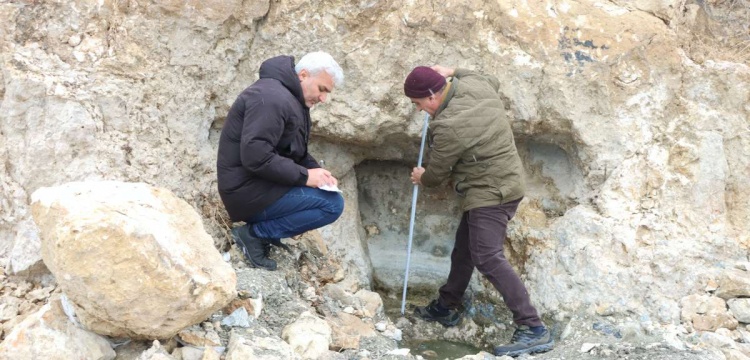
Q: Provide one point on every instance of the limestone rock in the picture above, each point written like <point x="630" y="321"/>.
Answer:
<point x="663" y="9"/>
<point x="348" y="330"/>
<point x="48" y="334"/>
<point x="372" y="303"/>
<point x="313" y="241"/>
<point x="254" y="307"/>
<point x="241" y="348"/>
<point x="156" y="352"/>
<point x="343" y="237"/>
<point x="18" y="301"/>
<point x="630" y="118"/>
<point x="211" y="354"/>
<point x="740" y="309"/>
<point x="26" y="252"/>
<point x="717" y="340"/>
<point x="132" y="350"/>
<point x="309" y="336"/>
<point x="239" y="318"/>
<point x="133" y="258"/>
<point x="339" y="294"/>
<point x="193" y="353"/>
<point x="201" y="336"/>
<point x="733" y="283"/>
<point x="707" y="313"/>
<point x="734" y="354"/>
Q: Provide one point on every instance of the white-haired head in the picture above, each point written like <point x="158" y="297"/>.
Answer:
<point x="318" y="61"/>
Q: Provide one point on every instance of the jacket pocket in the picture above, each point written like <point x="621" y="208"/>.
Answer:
<point x="499" y="190"/>
<point x="460" y="186"/>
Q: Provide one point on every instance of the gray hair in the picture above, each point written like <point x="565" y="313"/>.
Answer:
<point x="318" y="61"/>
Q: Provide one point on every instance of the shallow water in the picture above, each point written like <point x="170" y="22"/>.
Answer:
<point x="428" y="349"/>
<point x="439" y="349"/>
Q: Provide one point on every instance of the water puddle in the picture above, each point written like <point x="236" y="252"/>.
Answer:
<point x="439" y="349"/>
<point x="428" y="349"/>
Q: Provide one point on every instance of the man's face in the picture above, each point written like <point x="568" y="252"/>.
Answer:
<point x="429" y="104"/>
<point x="315" y="88"/>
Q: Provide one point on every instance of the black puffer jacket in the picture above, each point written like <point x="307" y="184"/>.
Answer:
<point x="263" y="145"/>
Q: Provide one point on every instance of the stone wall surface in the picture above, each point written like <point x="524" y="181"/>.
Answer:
<point x="635" y="139"/>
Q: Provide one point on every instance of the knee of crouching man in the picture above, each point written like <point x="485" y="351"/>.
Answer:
<point x="336" y="206"/>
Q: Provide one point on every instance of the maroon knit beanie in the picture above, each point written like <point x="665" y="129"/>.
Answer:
<point x="423" y="82"/>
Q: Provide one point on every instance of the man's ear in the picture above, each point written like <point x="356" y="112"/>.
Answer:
<point x="303" y="74"/>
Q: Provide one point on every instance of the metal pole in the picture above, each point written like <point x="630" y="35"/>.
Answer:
<point x="413" y="214"/>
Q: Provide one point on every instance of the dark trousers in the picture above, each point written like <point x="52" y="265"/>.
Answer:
<point x="479" y="243"/>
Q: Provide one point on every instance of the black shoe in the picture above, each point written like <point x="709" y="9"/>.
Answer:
<point x="253" y="248"/>
<point x="268" y="243"/>
<point x="435" y="312"/>
<point x="524" y="341"/>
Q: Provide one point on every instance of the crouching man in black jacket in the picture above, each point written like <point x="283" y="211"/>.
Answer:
<point x="266" y="177"/>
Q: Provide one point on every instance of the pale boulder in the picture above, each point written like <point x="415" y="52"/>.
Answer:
<point x="348" y="330"/>
<point x="740" y="309"/>
<point x="734" y="354"/>
<point x="733" y="283"/>
<point x="706" y="313"/>
<point x="201" y="336"/>
<point x="25" y="253"/>
<point x="372" y="303"/>
<point x="156" y="352"/>
<point x="309" y="336"/>
<point x="134" y="259"/>
<point x="48" y="334"/>
<point x="241" y="348"/>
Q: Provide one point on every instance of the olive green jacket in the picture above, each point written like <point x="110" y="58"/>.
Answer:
<point x="471" y="141"/>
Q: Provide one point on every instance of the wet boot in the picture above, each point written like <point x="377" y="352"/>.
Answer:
<point x="436" y="312"/>
<point x="252" y="248"/>
<point x="527" y="341"/>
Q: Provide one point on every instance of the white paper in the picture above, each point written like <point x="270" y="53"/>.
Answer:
<point x="329" y="188"/>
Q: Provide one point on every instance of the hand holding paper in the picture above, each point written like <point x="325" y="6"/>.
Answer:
<point x="317" y="178"/>
<point x="327" y="187"/>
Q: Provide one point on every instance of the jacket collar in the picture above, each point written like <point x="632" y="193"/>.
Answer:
<point x="448" y="96"/>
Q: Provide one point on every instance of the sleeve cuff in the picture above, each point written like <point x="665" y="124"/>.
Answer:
<point x="302" y="180"/>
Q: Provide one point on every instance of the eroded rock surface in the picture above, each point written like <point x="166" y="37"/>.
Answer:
<point x="134" y="259"/>
<point x="630" y="116"/>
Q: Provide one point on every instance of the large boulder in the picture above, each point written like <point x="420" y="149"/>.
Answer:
<point x="134" y="259"/>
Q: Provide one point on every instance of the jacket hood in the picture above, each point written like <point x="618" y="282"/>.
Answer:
<point x="281" y="68"/>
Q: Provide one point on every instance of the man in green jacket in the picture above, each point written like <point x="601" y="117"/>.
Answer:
<point x="471" y="143"/>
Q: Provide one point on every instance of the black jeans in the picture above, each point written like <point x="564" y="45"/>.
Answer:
<point x="479" y="243"/>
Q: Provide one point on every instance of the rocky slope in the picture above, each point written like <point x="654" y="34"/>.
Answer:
<point x="631" y="117"/>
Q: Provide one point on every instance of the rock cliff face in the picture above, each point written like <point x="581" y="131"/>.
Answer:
<point x="634" y="136"/>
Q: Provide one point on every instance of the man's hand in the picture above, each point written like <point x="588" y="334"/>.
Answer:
<point x="445" y="71"/>
<point x="416" y="175"/>
<point x="319" y="177"/>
